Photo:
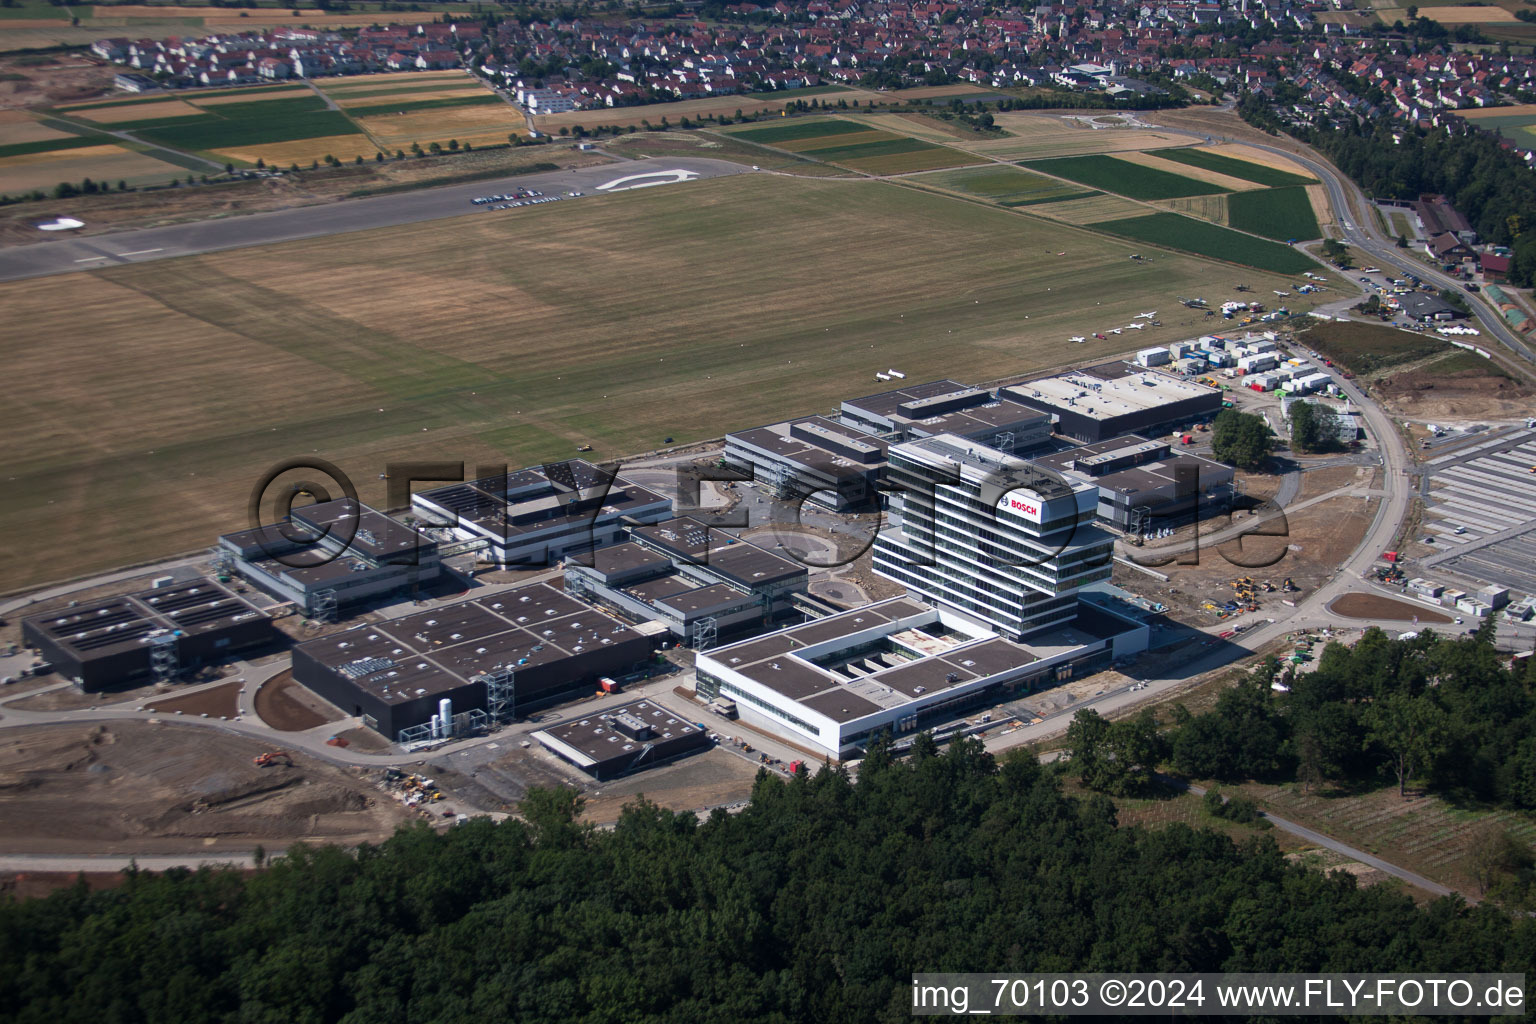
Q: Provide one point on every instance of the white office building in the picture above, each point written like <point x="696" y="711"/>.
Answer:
<point x="997" y="537"/>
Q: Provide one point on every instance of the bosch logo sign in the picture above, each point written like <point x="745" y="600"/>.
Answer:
<point x="1023" y="506"/>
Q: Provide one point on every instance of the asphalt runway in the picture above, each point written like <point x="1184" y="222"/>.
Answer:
<point x="92" y="252"/>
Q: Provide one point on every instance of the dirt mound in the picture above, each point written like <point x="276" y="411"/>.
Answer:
<point x="1466" y="393"/>
<point x="1374" y="606"/>
<point x="287" y="706"/>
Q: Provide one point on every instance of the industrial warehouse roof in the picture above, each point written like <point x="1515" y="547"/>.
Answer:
<point x="1159" y="473"/>
<point x="109" y="626"/>
<point x="442" y="649"/>
<point x="616" y="733"/>
<point x="729" y="558"/>
<point x="886" y="403"/>
<point x="852" y="680"/>
<point x="540" y="497"/>
<point x="991" y="415"/>
<point x="1098" y="397"/>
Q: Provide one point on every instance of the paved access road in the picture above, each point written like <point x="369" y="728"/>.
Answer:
<point x="92" y="252"/>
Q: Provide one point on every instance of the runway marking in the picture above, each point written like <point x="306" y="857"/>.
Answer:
<point x="92" y="259"/>
<point x="140" y="252"/>
<point x="647" y="180"/>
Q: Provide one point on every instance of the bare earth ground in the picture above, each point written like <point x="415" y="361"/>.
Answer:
<point x="1317" y="541"/>
<point x="1464" y="395"/>
<point x="51" y="79"/>
<point x="121" y="210"/>
<point x="709" y="779"/>
<point x="146" y="788"/>
<point x="215" y="702"/>
<point x="1375" y="606"/>
<point x="289" y="707"/>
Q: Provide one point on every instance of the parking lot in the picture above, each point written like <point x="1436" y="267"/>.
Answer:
<point x="1482" y="511"/>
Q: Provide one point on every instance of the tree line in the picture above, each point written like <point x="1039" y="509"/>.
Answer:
<point x="816" y="902"/>
<point x="1450" y="715"/>
<point x="1490" y="185"/>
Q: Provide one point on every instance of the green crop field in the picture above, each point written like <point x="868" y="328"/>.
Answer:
<point x="245" y="124"/>
<point x="683" y="312"/>
<point x="47" y="146"/>
<point x="1244" y="169"/>
<point x="1123" y="177"/>
<point x="1220" y="243"/>
<point x="1278" y="213"/>
<point x="471" y="100"/>
<point x="1006" y="186"/>
<point x="191" y="96"/>
<point x="858" y="146"/>
<point x="798" y="129"/>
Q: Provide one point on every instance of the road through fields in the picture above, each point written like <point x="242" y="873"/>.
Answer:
<point x="96" y="251"/>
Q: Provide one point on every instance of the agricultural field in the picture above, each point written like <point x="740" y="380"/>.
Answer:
<point x="1365" y="348"/>
<point x="1468" y="15"/>
<point x="229" y="125"/>
<point x="37" y="25"/>
<point x="1278" y="213"/>
<point x="717" y="146"/>
<point x="603" y="326"/>
<point x="480" y="123"/>
<point x="1211" y="208"/>
<point x="1516" y="123"/>
<point x="1235" y="168"/>
<point x="104" y="163"/>
<point x="1124" y="177"/>
<point x="702" y="110"/>
<point x="1190" y="235"/>
<point x="1091" y="208"/>
<point x="1041" y="135"/>
<point x="854" y="145"/>
<point x="1006" y="186"/>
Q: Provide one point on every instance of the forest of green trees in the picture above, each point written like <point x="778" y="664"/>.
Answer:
<point x="816" y="902"/>
<point x="1449" y="715"/>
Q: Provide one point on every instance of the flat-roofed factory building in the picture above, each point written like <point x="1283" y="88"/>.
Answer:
<point x="681" y="573"/>
<point x="623" y="740"/>
<point x="535" y="645"/>
<point x="119" y="640"/>
<point x="535" y="517"/>
<point x="948" y="407"/>
<point x="1145" y="484"/>
<point x="1102" y="402"/>
<point x="338" y="548"/>
<point x="834" y="464"/>
<point x="832" y="684"/>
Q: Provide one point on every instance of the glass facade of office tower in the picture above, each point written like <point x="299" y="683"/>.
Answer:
<point x="990" y="534"/>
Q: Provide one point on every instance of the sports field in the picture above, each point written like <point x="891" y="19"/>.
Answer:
<point x="855" y="145"/>
<point x="1132" y="180"/>
<point x="1220" y="243"/>
<point x="614" y="320"/>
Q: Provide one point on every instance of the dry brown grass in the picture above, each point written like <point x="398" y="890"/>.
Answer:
<point x="372" y="99"/>
<point x="1258" y="156"/>
<point x="17" y="126"/>
<point x="303" y="151"/>
<point x="1039" y="135"/>
<point x="138" y="112"/>
<point x="238" y="97"/>
<point x="1225" y="181"/>
<point x="1091" y="210"/>
<point x="101" y="163"/>
<point x="160" y="391"/>
<point x="481" y="124"/>
<point x="1468" y="15"/>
